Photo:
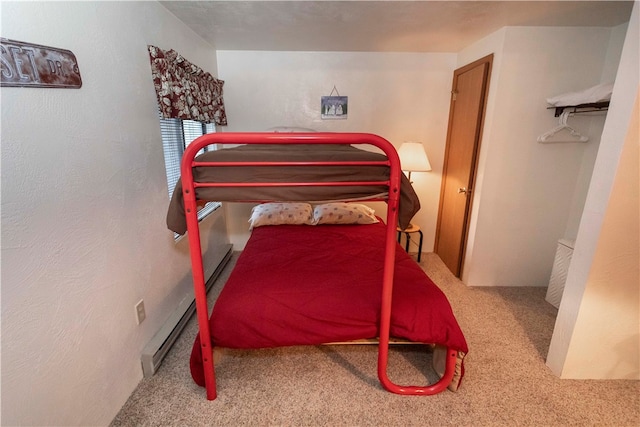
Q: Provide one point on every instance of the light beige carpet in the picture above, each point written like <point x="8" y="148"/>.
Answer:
<point x="508" y="330"/>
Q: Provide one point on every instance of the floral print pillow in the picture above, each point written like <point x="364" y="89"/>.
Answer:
<point x="281" y="213"/>
<point x="343" y="213"/>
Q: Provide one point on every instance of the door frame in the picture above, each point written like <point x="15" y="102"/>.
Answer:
<point x="476" y="151"/>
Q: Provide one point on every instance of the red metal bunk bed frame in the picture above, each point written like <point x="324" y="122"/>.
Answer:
<point x="190" y="205"/>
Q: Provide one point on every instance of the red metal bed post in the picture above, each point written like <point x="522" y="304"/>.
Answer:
<point x="193" y="229"/>
<point x="387" y="289"/>
<point x="388" y="269"/>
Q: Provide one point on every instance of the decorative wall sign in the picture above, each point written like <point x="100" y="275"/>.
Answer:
<point x="333" y="107"/>
<point x="30" y="65"/>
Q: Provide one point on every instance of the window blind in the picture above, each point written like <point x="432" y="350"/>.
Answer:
<point x="177" y="134"/>
<point x="173" y="146"/>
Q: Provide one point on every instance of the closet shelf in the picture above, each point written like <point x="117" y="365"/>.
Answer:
<point x="582" y="108"/>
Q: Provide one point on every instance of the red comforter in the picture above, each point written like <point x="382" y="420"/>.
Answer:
<point x="308" y="285"/>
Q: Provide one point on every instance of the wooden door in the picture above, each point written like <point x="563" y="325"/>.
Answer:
<point x="468" y="100"/>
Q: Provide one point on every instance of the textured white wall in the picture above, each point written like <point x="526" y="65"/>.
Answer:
<point x="616" y="41"/>
<point x="597" y="328"/>
<point x="84" y="200"/>
<point x="526" y="191"/>
<point x="609" y="310"/>
<point x="399" y="96"/>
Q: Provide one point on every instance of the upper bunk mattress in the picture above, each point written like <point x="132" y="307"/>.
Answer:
<point x="409" y="203"/>
<point x="308" y="285"/>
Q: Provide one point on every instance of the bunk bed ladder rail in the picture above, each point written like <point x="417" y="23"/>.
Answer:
<point x="190" y="206"/>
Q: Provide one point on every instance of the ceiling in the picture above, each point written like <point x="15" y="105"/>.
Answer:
<point x="379" y="26"/>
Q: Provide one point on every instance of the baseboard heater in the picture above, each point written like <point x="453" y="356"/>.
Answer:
<point x="161" y="343"/>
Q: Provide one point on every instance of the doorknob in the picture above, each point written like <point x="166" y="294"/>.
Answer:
<point x="464" y="190"/>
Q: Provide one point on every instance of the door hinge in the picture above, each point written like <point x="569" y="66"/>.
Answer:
<point x="454" y="95"/>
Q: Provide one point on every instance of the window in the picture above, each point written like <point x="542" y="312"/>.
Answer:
<point x="177" y="134"/>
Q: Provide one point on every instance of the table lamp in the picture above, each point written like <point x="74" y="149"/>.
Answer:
<point x="413" y="158"/>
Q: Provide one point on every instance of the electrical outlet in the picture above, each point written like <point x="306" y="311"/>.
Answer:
<point x="140" y="314"/>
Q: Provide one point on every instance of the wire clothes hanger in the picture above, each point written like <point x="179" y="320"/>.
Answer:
<point x="577" y="137"/>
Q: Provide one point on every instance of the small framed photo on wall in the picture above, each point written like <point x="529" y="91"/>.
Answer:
<point x="334" y="107"/>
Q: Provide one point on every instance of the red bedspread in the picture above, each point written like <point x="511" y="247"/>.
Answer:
<point x="308" y="285"/>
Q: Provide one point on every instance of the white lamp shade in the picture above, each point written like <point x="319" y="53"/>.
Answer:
<point x="413" y="157"/>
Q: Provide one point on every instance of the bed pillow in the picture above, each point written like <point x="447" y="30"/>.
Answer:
<point x="343" y="213"/>
<point x="281" y="213"/>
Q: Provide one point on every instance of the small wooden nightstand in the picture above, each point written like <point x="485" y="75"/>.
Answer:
<point x="412" y="228"/>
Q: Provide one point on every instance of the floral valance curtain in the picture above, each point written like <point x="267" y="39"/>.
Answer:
<point x="184" y="90"/>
